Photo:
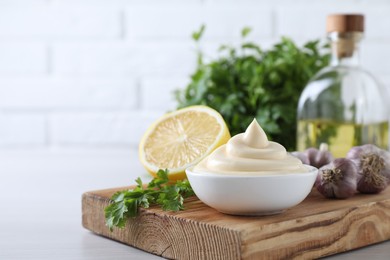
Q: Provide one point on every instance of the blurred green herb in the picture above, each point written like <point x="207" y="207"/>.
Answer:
<point x="197" y="35"/>
<point x="160" y="191"/>
<point x="248" y="82"/>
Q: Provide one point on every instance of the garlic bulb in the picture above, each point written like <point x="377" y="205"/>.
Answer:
<point x="337" y="179"/>
<point x="373" y="167"/>
<point x="319" y="158"/>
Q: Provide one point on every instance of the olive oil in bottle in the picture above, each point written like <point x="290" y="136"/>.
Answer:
<point x="343" y="105"/>
<point x="341" y="136"/>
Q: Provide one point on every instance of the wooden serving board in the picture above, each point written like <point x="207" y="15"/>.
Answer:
<point x="316" y="227"/>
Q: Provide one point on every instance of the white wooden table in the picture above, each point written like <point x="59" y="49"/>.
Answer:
<point x="40" y="196"/>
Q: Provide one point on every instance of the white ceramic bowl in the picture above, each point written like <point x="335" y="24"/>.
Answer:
<point x="252" y="195"/>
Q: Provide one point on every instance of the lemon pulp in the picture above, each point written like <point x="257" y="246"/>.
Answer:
<point x="182" y="138"/>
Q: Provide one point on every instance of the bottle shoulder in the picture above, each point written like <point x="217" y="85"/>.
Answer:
<point x="339" y="72"/>
<point x="344" y="93"/>
<point x="346" y="79"/>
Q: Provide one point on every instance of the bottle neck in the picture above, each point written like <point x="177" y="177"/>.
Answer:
<point x="345" y="48"/>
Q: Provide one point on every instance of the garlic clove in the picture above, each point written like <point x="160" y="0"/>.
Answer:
<point x="337" y="179"/>
<point x="373" y="166"/>
<point x="319" y="158"/>
<point x="301" y="156"/>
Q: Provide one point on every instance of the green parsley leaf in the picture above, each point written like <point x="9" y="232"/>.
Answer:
<point x="245" y="31"/>
<point x="160" y="191"/>
<point x="197" y="35"/>
<point x="139" y="182"/>
<point x="115" y="214"/>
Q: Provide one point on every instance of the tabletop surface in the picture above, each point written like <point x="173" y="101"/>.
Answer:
<point x="40" y="194"/>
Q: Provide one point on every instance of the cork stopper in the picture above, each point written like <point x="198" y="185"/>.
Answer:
<point x="343" y="23"/>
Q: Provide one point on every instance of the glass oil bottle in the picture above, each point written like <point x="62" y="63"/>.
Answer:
<point x="343" y="105"/>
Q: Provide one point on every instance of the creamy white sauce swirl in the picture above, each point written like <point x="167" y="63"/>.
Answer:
<point x="251" y="153"/>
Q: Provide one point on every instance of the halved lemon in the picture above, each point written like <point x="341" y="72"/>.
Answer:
<point x="182" y="138"/>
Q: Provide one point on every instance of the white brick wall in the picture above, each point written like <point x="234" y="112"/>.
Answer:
<point x="48" y="94"/>
<point x="96" y="73"/>
<point x="179" y="20"/>
<point x="157" y="93"/>
<point x="99" y="128"/>
<point x="22" y="58"/>
<point x="56" y="22"/>
<point x="122" y="59"/>
<point x="22" y="130"/>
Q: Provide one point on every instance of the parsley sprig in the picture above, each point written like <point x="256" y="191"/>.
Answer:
<point x="160" y="191"/>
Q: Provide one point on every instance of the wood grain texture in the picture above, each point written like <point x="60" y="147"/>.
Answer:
<point x="316" y="227"/>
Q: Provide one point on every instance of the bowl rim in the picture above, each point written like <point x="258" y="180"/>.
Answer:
<point x="312" y="170"/>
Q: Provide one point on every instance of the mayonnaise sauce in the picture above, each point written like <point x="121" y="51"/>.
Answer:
<point x="251" y="153"/>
